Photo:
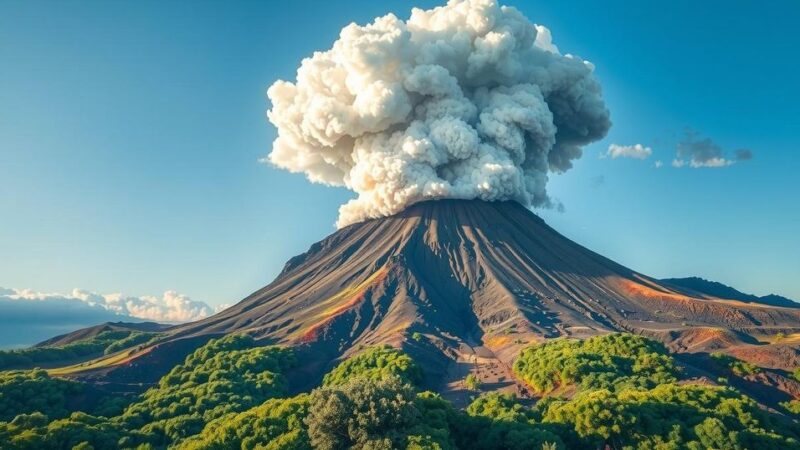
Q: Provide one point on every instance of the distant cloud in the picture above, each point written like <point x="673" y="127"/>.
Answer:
<point x="26" y="322"/>
<point x="698" y="153"/>
<point x="170" y="307"/>
<point x="744" y="154"/>
<point x="636" y="151"/>
<point x="658" y="164"/>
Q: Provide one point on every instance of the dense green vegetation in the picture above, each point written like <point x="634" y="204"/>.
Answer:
<point x="133" y="339"/>
<point x="35" y="431"/>
<point x="736" y="366"/>
<point x="231" y="394"/>
<point x="34" y="391"/>
<point x="226" y="375"/>
<point x="368" y="413"/>
<point x="103" y="343"/>
<point x="275" y="424"/>
<point x="628" y="397"/>
<point x="375" y="363"/>
<point x="613" y="361"/>
<point x="670" y="415"/>
<point x="24" y="392"/>
<point x="792" y="406"/>
<point x="363" y="413"/>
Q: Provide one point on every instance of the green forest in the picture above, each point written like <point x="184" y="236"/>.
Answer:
<point x="625" y="392"/>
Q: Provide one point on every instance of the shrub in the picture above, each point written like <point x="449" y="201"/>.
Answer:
<point x="611" y="361"/>
<point x="362" y="413"/>
<point x="375" y="363"/>
<point x="793" y="406"/>
<point x="472" y="382"/>
<point x="736" y="366"/>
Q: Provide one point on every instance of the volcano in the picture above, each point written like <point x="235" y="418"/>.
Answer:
<point x="467" y="280"/>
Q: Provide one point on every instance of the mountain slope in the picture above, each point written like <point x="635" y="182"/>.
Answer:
<point x="90" y="332"/>
<point x="719" y="290"/>
<point x="467" y="273"/>
<point x="458" y="284"/>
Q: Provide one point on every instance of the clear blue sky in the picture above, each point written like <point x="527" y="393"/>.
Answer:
<point x="130" y="133"/>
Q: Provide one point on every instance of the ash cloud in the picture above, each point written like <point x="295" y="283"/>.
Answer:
<point x="696" y="152"/>
<point x="468" y="100"/>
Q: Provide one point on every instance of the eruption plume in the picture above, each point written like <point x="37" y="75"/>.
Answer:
<point x="470" y="101"/>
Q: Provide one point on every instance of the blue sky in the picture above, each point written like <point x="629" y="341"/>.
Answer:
<point x="130" y="134"/>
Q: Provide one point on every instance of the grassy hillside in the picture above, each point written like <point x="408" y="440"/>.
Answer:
<point x="106" y="342"/>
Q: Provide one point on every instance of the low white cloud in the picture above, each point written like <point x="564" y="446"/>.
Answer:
<point x="697" y="164"/>
<point x="658" y="164"/>
<point x="636" y="151"/>
<point x="169" y="307"/>
<point x="713" y="162"/>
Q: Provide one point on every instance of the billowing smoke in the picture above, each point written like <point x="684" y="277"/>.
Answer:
<point x="469" y="100"/>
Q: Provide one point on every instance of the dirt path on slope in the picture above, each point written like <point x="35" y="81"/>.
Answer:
<point x="494" y="375"/>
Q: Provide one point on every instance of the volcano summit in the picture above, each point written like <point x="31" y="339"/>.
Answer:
<point x="470" y="270"/>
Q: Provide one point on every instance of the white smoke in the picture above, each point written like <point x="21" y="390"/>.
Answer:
<point x="468" y="100"/>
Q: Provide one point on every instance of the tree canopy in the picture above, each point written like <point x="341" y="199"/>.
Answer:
<point x="612" y="361"/>
<point x="375" y="363"/>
